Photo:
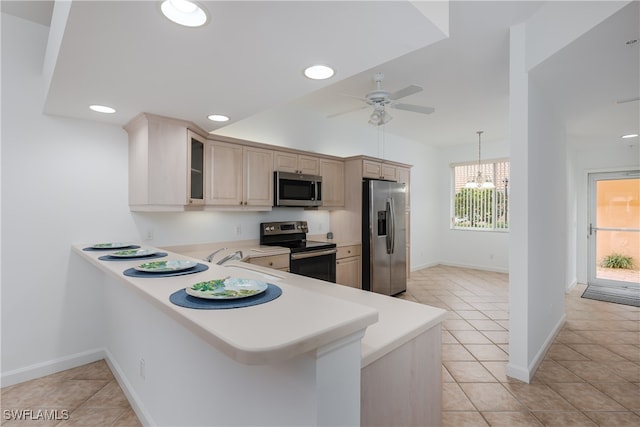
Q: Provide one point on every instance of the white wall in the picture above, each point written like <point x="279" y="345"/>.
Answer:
<point x="486" y="250"/>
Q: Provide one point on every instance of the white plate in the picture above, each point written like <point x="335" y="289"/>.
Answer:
<point x="169" y="265"/>
<point x="133" y="253"/>
<point x="230" y="288"/>
<point x="110" y="245"/>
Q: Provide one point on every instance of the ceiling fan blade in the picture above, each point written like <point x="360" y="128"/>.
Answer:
<point x="409" y="90"/>
<point x="415" y="108"/>
<point x="623" y="101"/>
<point x="330" y="116"/>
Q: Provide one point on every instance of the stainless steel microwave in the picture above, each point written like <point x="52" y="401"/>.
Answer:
<point x="296" y="189"/>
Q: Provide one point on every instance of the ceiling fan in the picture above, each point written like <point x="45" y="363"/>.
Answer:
<point x="379" y="99"/>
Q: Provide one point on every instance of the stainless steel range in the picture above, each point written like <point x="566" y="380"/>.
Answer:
<point x="308" y="258"/>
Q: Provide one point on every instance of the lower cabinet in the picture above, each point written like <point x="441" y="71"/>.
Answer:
<point x="349" y="266"/>
<point x="278" y="262"/>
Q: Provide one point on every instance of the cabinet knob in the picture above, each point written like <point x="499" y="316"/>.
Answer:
<point x="349" y="251"/>
<point x="241" y="202"/>
<point x="270" y="263"/>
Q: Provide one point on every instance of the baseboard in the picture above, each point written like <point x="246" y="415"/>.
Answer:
<point x="127" y="389"/>
<point x="51" y="367"/>
<point x="526" y="374"/>
<point x="423" y="266"/>
<point x="570" y="286"/>
<point x="476" y="267"/>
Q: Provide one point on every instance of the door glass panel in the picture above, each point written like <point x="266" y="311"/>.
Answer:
<point x="617" y="231"/>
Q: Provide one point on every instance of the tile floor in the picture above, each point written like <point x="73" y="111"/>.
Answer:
<point x="90" y="395"/>
<point x="590" y="376"/>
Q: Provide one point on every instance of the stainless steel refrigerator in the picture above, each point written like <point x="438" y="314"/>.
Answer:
<point x="384" y="264"/>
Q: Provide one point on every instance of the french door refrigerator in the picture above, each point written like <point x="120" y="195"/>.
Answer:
<point x="384" y="268"/>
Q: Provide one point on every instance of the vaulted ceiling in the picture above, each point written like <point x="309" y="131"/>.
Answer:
<point x="249" y="58"/>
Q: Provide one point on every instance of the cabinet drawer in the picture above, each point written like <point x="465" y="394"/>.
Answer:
<point x="348" y="251"/>
<point x="274" y="261"/>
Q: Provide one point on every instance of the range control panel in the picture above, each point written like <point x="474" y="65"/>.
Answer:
<point x="285" y="227"/>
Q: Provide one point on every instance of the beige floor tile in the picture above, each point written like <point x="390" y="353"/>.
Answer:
<point x="498" y="370"/>
<point x="539" y="397"/>
<point x="127" y="419"/>
<point x="454" y="399"/>
<point x="486" y="325"/>
<point x="471" y="314"/>
<point x="457" y="325"/>
<point x="497" y="337"/>
<point x="591" y="371"/>
<point x="470" y="337"/>
<point x="626" y="394"/>
<point x="455" y="352"/>
<point x="446" y="376"/>
<point x="491" y="397"/>
<point x="463" y="419"/>
<point x="496" y="314"/>
<point x="614" y="419"/>
<point x="487" y="352"/>
<point x="551" y="371"/>
<point x="110" y="396"/>
<point x="628" y="351"/>
<point x="565" y="336"/>
<point x="559" y="352"/>
<point x="93" y="417"/>
<point x="597" y="352"/>
<point x="511" y="419"/>
<point x="586" y="397"/>
<point x="628" y="370"/>
<point x="564" y="419"/>
<point x="469" y="372"/>
<point x="447" y="338"/>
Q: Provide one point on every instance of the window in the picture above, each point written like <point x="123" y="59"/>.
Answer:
<point x="481" y="208"/>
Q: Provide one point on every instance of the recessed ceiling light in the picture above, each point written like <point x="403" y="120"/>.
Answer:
<point x="184" y="12"/>
<point x="102" y="109"/>
<point x="631" y="135"/>
<point x="218" y="118"/>
<point x="319" y="72"/>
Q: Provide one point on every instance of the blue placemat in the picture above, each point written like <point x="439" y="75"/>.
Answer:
<point x="132" y="272"/>
<point x="111" y="249"/>
<point x="183" y="299"/>
<point x="138" y="258"/>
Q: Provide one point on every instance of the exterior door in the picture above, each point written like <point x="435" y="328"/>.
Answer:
<point x="614" y="229"/>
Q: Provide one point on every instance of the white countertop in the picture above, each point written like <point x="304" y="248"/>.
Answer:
<point x="309" y="314"/>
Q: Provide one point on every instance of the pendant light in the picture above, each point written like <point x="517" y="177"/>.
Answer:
<point x="479" y="181"/>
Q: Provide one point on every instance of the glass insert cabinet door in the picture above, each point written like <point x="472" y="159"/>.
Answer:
<point x="196" y="169"/>
<point x="614" y="229"/>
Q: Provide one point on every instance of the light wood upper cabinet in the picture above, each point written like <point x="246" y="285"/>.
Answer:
<point x="379" y="170"/>
<point x="238" y="175"/>
<point x="332" y="172"/>
<point x="258" y="176"/>
<point x="404" y="176"/>
<point x="164" y="164"/>
<point x="296" y="163"/>
<point x="223" y="174"/>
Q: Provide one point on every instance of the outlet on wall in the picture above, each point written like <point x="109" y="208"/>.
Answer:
<point x="238" y="230"/>
<point x="149" y="235"/>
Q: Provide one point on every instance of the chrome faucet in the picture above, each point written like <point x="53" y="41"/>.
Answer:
<point x="212" y="254"/>
<point x="235" y="255"/>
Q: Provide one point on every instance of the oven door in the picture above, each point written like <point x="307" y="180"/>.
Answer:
<point x="320" y="264"/>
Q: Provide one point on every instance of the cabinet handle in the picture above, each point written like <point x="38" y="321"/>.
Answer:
<point x="240" y="202"/>
<point x="270" y="263"/>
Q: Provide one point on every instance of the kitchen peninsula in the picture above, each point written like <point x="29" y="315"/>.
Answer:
<point x="320" y="354"/>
